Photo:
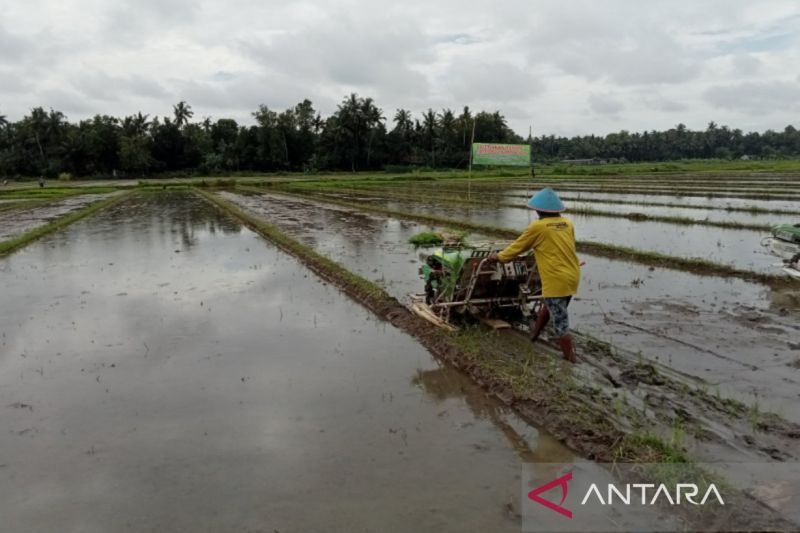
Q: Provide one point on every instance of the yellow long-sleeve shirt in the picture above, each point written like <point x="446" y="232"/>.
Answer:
<point x="553" y="242"/>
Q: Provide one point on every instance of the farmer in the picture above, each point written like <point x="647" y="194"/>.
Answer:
<point x="552" y="239"/>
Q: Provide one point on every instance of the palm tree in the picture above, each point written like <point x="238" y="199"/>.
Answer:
<point x="429" y="123"/>
<point x="136" y="125"/>
<point x="403" y="123"/>
<point x="183" y="112"/>
<point x="318" y="123"/>
<point x="350" y="119"/>
<point x="372" y="117"/>
<point x="3" y="121"/>
<point x="465" y="123"/>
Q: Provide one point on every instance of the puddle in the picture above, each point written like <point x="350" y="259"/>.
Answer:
<point x="737" y="335"/>
<point x="163" y="368"/>
<point x="14" y="223"/>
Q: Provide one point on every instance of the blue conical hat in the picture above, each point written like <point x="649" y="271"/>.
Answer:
<point x="546" y="200"/>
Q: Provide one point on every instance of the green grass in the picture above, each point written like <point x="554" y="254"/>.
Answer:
<point x="52" y="192"/>
<point x="647" y="447"/>
<point x="10" y="245"/>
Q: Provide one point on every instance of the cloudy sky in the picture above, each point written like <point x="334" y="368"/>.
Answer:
<point x="566" y="66"/>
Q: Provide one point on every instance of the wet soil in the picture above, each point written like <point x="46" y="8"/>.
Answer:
<point x="14" y="223"/>
<point x="163" y="368"/>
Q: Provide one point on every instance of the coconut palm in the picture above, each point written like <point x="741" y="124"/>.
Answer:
<point x="403" y="122"/>
<point x="183" y="112"/>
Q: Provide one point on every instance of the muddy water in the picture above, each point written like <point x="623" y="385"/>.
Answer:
<point x="695" y="213"/>
<point x="673" y="199"/>
<point x="715" y="215"/>
<point x="374" y="246"/>
<point x="741" y="337"/>
<point x="506" y="190"/>
<point x="741" y="248"/>
<point x="486" y="191"/>
<point x="14" y="223"/>
<point x="163" y="368"/>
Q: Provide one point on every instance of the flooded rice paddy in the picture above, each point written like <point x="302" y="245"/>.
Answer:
<point x="163" y="368"/>
<point x="15" y="222"/>
<point x="739" y="336"/>
<point x="722" y="201"/>
<point x="736" y="247"/>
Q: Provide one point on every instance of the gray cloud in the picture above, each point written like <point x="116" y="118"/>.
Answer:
<point x="746" y="64"/>
<point x="13" y="48"/>
<point x="71" y="103"/>
<point x="12" y="83"/>
<point x="134" y="22"/>
<point x="480" y="81"/>
<point x="605" y="104"/>
<point x="101" y="86"/>
<point x="656" y="101"/>
<point x="630" y="64"/>
<point x="756" y="97"/>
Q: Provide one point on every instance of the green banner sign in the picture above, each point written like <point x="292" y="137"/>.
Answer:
<point x="501" y="154"/>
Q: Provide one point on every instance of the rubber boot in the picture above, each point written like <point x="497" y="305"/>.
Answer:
<point x="566" y="346"/>
<point x="541" y="321"/>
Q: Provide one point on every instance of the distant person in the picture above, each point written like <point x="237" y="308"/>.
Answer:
<point x="552" y="239"/>
<point x="41" y="181"/>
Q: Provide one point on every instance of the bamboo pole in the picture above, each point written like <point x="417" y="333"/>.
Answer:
<point x="532" y="171"/>
<point x="469" y="174"/>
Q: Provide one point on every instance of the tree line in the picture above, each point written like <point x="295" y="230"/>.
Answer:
<point x="357" y="136"/>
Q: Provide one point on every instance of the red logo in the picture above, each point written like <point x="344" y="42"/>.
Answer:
<point x="558" y="482"/>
